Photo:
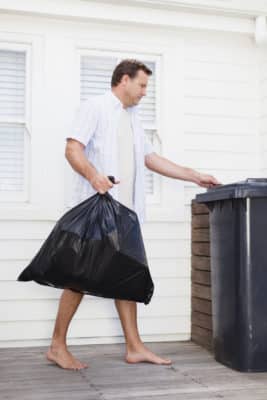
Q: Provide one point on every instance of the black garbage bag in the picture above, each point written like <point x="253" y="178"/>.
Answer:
<point x="95" y="248"/>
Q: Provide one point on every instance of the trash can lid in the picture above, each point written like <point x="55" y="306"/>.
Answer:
<point x="251" y="187"/>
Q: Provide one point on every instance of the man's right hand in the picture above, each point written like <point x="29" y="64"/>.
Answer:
<point x="101" y="183"/>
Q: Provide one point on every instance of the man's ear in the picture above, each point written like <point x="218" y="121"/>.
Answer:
<point x="125" y="79"/>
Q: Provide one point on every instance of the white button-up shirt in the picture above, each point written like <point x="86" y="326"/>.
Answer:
<point x="95" y="125"/>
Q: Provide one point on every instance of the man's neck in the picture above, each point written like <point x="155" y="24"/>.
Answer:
<point x="120" y="97"/>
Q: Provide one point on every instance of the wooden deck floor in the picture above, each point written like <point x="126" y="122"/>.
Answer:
<point x="26" y="375"/>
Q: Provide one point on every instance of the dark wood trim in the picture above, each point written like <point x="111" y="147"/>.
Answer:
<point x="201" y="315"/>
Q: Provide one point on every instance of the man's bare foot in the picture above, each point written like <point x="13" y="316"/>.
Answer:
<point x="142" y="354"/>
<point x="64" y="359"/>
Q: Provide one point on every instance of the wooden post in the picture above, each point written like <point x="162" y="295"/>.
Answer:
<point x="201" y="317"/>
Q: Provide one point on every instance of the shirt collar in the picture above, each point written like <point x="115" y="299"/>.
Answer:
<point x="117" y="103"/>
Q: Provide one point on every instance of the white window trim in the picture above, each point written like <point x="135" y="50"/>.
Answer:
<point x="32" y="207"/>
<point x="21" y="196"/>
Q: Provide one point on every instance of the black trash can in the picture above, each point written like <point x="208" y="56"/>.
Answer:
<point x="238" y="237"/>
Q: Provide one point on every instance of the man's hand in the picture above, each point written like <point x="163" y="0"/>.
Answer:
<point x="101" y="183"/>
<point x="207" y="181"/>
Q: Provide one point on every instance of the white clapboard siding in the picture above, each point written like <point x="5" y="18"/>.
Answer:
<point x="224" y="71"/>
<point x="221" y="144"/>
<point x="211" y="160"/>
<point x="101" y="327"/>
<point x="91" y="308"/>
<point x="25" y="229"/>
<point x="218" y="124"/>
<point x="221" y="109"/>
<point x="222" y="89"/>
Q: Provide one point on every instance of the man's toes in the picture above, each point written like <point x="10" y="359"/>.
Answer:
<point x="167" y="362"/>
<point x="76" y="367"/>
<point x="80" y="364"/>
<point x="83" y="366"/>
<point x="164" y="361"/>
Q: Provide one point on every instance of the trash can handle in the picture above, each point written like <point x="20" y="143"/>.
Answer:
<point x="256" y="180"/>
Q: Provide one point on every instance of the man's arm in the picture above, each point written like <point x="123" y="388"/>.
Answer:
<point x="163" y="166"/>
<point x="75" y="155"/>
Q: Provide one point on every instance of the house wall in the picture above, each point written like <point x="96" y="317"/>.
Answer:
<point x="208" y="121"/>
<point x="221" y="107"/>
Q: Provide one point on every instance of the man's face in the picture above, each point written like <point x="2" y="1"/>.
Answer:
<point x="135" y="88"/>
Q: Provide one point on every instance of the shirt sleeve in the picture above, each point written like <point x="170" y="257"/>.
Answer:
<point x="84" y="122"/>
<point x="148" y="146"/>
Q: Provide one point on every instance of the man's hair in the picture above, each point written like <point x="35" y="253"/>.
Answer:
<point x="129" y="67"/>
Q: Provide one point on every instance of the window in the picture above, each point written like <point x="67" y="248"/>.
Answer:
<point x="13" y="126"/>
<point x="95" y="77"/>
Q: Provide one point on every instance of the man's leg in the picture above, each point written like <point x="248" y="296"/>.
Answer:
<point x="58" y="351"/>
<point x="135" y="349"/>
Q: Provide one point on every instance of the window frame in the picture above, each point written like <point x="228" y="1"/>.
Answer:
<point x="21" y="196"/>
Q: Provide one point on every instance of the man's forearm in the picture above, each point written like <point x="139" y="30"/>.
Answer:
<point x="165" y="167"/>
<point x="81" y="164"/>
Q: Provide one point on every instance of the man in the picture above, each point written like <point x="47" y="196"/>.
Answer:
<point x="98" y="147"/>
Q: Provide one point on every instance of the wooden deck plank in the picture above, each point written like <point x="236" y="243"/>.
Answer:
<point x="194" y="374"/>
